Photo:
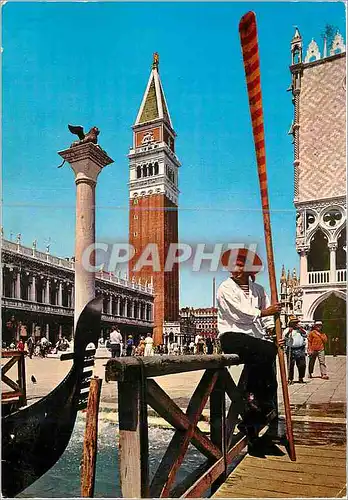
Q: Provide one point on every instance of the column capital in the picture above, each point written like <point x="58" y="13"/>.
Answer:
<point x="302" y="250"/>
<point x="87" y="160"/>
<point x="332" y="246"/>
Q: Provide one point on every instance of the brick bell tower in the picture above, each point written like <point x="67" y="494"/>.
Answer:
<point x="153" y="193"/>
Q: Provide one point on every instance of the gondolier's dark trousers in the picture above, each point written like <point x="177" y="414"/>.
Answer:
<point x="259" y="373"/>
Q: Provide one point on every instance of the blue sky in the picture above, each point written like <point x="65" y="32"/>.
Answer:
<point x="88" y="63"/>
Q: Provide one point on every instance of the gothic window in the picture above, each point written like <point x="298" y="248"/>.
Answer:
<point x="138" y="172"/>
<point x="156" y="168"/>
<point x="296" y="55"/>
<point x="135" y="234"/>
<point x="319" y="255"/>
<point x="135" y="217"/>
<point x="310" y="219"/>
<point x="332" y="217"/>
<point x="150" y="169"/>
<point x="144" y="171"/>
<point x="341" y="252"/>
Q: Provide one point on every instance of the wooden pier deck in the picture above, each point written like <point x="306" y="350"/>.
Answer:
<point x="320" y="471"/>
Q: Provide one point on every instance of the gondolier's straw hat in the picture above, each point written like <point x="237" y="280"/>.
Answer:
<point x="250" y="261"/>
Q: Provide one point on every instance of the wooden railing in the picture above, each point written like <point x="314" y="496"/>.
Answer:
<point x="137" y="389"/>
<point x="18" y="393"/>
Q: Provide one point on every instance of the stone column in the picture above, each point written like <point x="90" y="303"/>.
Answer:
<point x="87" y="161"/>
<point x="118" y="306"/>
<point x="47" y="331"/>
<point x="110" y="304"/>
<point x="18" y="285"/>
<point x="60" y="293"/>
<point x="33" y="289"/>
<point x="332" y="248"/>
<point x="47" y="292"/>
<point x="303" y="267"/>
<point x="60" y="330"/>
<point x="133" y="309"/>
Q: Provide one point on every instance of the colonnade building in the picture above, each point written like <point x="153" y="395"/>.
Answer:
<point x="319" y="136"/>
<point x="38" y="296"/>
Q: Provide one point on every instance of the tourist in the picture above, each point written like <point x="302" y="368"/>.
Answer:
<point x="200" y="345"/>
<point x="115" y="342"/>
<point x="197" y="339"/>
<point x="44" y="345"/>
<point x="192" y="347"/>
<point x="210" y="346"/>
<point x="335" y="346"/>
<point x="148" y="345"/>
<point x="129" y="345"/>
<point x="295" y="342"/>
<point x="316" y="349"/>
<point x="20" y="345"/>
<point x="245" y="323"/>
<point x="31" y="345"/>
<point x="141" y="347"/>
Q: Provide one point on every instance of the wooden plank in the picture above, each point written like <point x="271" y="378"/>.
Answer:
<point x="6" y="367"/>
<point x="189" y="480"/>
<point x="128" y="368"/>
<point x="10" y="353"/>
<point x="11" y="395"/>
<point x="277" y="485"/>
<point x="214" y="472"/>
<point x="165" y="475"/>
<point x="319" y="451"/>
<point x="247" y="492"/>
<point x="6" y="380"/>
<point x="217" y="424"/>
<point x="164" y="406"/>
<point x="90" y="445"/>
<point x="296" y="467"/>
<point x="22" y="380"/>
<point x="289" y="476"/>
<point x="313" y="460"/>
<point x="131" y="452"/>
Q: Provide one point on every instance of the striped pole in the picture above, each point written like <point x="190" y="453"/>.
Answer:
<point x="248" y="36"/>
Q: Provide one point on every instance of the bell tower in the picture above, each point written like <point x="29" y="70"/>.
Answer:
<point x="153" y="198"/>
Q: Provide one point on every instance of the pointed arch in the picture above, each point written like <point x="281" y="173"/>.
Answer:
<point x="339" y="293"/>
<point x="319" y="254"/>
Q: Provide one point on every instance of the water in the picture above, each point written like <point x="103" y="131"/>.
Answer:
<point x="63" y="480"/>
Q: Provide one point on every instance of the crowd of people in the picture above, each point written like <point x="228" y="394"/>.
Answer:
<point x="144" y="345"/>
<point x="38" y="346"/>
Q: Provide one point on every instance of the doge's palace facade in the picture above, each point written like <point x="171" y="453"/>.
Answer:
<point x="319" y="133"/>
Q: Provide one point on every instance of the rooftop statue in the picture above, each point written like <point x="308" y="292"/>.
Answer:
<point x="91" y="136"/>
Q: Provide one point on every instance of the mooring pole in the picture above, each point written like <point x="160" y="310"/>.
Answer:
<point x="90" y="444"/>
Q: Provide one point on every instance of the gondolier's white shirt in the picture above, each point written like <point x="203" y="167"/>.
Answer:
<point x="241" y="312"/>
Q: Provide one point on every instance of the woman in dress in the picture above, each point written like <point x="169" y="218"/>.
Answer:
<point x="141" y="347"/>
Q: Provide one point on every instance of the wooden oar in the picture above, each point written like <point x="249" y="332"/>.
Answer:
<point x="248" y="36"/>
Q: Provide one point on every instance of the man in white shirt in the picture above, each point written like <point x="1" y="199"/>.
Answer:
<point x="295" y="342"/>
<point x="115" y="342"/>
<point x="245" y="321"/>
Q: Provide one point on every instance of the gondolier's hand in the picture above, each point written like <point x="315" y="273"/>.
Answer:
<point x="271" y="310"/>
<point x="280" y="343"/>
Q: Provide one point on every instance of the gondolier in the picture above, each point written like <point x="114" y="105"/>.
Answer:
<point x="245" y="323"/>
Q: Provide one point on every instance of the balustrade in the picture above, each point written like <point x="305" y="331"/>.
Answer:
<point x="137" y="389"/>
<point x="318" y="277"/>
<point x="341" y="275"/>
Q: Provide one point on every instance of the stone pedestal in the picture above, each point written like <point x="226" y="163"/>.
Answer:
<point x="87" y="161"/>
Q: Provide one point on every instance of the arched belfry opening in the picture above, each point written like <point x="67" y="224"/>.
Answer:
<point x="332" y="312"/>
<point x="319" y="254"/>
<point x="341" y="253"/>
